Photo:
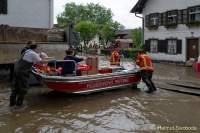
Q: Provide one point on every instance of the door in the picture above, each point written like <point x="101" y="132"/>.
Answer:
<point x="192" y="48"/>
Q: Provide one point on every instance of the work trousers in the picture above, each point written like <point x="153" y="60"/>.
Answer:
<point x="146" y="78"/>
<point x="20" y="87"/>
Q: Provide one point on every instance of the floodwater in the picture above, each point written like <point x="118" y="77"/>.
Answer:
<point x="125" y="110"/>
<point x="118" y="111"/>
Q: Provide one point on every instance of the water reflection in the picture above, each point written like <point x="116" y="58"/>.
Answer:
<point x="117" y="111"/>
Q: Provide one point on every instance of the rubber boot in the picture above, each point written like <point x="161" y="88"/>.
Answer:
<point x="20" y="100"/>
<point x="12" y="100"/>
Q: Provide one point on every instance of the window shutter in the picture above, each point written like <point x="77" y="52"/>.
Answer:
<point x="147" y="21"/>
<point x="147" y="45"/>
<point x="166" y="46"/>
<point x="164" y="18"/>
<point x="5" y="6"/>
<point x="159" y="19"/>
<point x="179" y="47"/>
<point x="180" y="17"/>
<point x="162" y="46"/>
<point x="185" y="16"/>
<point x="1" y="6"/>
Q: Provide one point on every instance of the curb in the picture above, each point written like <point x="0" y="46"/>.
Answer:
<point x="176" y="88"/>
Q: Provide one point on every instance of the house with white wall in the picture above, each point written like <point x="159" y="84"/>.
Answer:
<point x="171" y="28"/>
<point x="27" y="13"/>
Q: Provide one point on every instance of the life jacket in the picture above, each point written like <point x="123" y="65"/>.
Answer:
<point x="115" y="58"/>
<point x="144" y="61"/>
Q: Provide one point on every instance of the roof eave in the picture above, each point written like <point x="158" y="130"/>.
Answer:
<point x="138" y="8"/>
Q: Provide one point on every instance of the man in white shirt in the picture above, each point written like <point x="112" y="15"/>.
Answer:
<point x="32" y="56"/>
<point x="21" y="74"/>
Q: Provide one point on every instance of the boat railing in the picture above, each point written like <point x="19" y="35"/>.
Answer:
<point x="68" y="67"/>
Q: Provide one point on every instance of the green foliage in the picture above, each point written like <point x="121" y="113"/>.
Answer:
<point x="127" y="53"/>
<point x="132" y="52"/>
<point x="90" y="12"/>
<point x="87" y="30"/>
<point x="136" y="35"/>
<point x="95" y="13"/>
<point x="107" y="33"/>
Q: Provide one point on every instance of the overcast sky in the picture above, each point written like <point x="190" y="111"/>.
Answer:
<point x="120" y="9"/>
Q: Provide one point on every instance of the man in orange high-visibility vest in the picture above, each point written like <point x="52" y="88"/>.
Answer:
<point x="144" y="62"/>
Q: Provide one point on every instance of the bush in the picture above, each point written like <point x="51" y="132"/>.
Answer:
<point x="106" y="51"/>
<point x="127" y="53"/>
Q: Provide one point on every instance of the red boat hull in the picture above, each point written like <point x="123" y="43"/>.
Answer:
<point x="93" y="84"/>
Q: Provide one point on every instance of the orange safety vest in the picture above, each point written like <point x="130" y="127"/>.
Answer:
<point x="144" y="61"/>
<point x="115" y="59"/>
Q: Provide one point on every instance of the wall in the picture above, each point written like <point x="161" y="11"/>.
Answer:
<point x="9" y="52"/>
<point x="29" y="13"/>
<point x="181" y="32"/>
<point x="19" y="34"/>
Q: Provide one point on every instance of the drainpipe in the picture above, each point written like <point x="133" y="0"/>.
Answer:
<point x="51" y="13"/>
<point x="142" y="26"/>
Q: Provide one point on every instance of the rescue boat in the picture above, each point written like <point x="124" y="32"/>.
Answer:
<point x="105" y="79"/>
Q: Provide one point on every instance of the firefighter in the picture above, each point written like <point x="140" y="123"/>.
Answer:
<point x="114" y="60"/>
<point x="115" y="55"/>
<point x="144" y="62"/>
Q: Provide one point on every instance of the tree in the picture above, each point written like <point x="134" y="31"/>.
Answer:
<point x="95" y="13"/>
<point x="91" y="12"/>
<point x="107" y="33"/>
<point x="136" y="35"/>
<point x="87" y="30"/>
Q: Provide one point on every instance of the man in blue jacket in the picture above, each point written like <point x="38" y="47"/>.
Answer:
<point x="68" y="69"/>
<point x="70" y="56"/>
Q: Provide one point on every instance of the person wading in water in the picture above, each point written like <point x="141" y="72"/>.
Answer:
<point x="22" y="70"/>
<point x="144" y="62"/>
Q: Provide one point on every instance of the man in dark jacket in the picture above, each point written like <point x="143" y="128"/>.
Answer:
<point x="70" y="56"/>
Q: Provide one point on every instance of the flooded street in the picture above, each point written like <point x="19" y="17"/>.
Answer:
<point x="124" y="110"/>
<point x="117" y="111"/>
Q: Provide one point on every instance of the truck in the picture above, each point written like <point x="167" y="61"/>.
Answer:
<point x="55" y="43"/>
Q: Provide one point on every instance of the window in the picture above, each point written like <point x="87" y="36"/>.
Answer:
<point x="3" y="6"/>
<point x="194" y="14"/>
<point x="172" y="45"/>
<point x="154" y="19"/>
<point x="172" y="17"/>
<point x="153" y="46"/>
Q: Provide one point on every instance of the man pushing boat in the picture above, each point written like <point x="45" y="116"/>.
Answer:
<point x="23" y="66"/>
<point x="144" y="62"/>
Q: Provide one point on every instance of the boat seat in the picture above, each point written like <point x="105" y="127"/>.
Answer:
<point x="68" y="67"/>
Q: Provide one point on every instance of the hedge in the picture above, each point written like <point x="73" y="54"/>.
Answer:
<point x="127" y="53"/>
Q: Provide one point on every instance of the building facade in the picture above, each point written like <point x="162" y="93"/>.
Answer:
<point x="27" y="13"/>
<point x="171" y="28"/>
<point x="124" y="38"/>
